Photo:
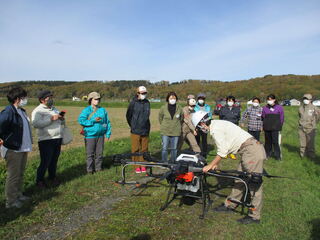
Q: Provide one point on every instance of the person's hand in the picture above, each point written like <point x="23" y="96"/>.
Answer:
<point x="98" y="119"/>
<point x="195" y="132"/>
<point x="107" y="139"/>
<point x="55" y="117"/>
<point x="208" y="168"/>
<point x="1" y="142"/>
<point x="242" y="125"/>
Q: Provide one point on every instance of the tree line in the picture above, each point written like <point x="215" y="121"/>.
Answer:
<point x="283" y="86"/>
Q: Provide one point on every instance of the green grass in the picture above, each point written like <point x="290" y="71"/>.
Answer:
<point x="67" y="102"/>
<point x="291" y="207"/>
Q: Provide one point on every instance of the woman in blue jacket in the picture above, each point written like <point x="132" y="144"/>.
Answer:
<point x="96" y="124"/>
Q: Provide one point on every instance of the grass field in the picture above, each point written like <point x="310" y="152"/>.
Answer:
<point x="291" y="207"/>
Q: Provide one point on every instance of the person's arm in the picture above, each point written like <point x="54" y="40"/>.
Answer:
<point x="129" y="113"/>
<point x="238" y="114"/>
<point x="160" y="116"/>
<point x="317" y="113"/>
<point x="42" y="120"/>
<point x="83" y="119"/>
<point x="107" y="121"/>
<point x="4" y="123"/>
<point x="213" y="165"/>
<point x="281" y="115"/>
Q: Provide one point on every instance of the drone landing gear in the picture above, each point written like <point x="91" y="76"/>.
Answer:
<point x="202" y="194"/>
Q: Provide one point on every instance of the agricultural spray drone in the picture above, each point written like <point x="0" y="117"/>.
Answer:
<point x="186" y="178"/>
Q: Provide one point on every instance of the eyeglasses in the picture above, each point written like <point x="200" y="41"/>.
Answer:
<point x="97" y="99"/>
<point x="144" y="93"/>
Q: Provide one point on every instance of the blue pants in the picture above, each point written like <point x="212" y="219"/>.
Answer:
<point x="169" y="143"/>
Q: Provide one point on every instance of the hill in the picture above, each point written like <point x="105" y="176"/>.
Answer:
<point x="283" y="86"/>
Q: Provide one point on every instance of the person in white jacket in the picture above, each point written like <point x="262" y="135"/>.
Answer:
<point x="49" y="124"/>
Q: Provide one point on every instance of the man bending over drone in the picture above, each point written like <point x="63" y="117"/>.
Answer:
<point x="231" y="139"/>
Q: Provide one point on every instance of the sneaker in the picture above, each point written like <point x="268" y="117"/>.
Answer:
<point x="23" y="198"/>
<point x="223" y="208"/>
<point x="16" y="204"/>
<point x="143" y="169"/>
<point x="138" y="170"/>
<point x="248" y="220"/>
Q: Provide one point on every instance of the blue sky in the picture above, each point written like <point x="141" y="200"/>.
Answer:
<point x="157" y="40"/>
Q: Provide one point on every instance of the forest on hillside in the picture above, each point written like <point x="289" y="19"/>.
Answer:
<point x="283" y="86"/>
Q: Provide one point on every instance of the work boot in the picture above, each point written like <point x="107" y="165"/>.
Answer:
<point x="248" y="220"/>
<point x="223" y="208"/>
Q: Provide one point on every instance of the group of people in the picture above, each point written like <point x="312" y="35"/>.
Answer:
<point x="191" y="123"/>
<point x="16" y="139"/>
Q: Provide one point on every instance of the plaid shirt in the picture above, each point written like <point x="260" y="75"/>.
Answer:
<point x="253" y="114"/>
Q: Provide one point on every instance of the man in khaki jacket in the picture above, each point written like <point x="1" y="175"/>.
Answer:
<point x="188" y="130"/>
<point x="309" y="116"/>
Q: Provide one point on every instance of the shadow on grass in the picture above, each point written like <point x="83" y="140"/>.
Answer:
<point x="143" y="236"/>
<point x="315" y="234"/>
<point x="296" y="150"/>
<point x="40" y="195"/>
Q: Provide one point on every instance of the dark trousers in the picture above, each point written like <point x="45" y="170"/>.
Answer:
<point x="255" y="134"/>
<point x="202" y="137"/>
<point x="49" y="154"/>
<point x="272" y="144"/>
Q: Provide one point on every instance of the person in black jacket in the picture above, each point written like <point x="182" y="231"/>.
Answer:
<point x="138" y="114"/>
<point x="16" y="142"/>
<point x="230" y="112"/>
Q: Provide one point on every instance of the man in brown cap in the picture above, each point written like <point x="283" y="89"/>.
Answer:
<point x="309" y="116"/>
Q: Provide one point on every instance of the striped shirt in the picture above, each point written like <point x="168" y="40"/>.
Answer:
<point x="253" y="115"/>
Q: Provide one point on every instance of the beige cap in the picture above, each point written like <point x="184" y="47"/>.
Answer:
<point x="190" y="96"/>
<point x="307" y="96"/>
<point x="142" y="89"/>
<point x="93" y="95"/>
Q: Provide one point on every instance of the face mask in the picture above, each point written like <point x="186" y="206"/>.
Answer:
<point x="306" y="101"/>
<point x="172" y="101"/>
<point x="230" y="104"/>
<point x="23" y="102"/>
<point x="143" y="96"/>
<point x="201" y="102"/>
<point x="270" y="102"/>
<point x="50" y="103"/>
<point x="255" y="104"/>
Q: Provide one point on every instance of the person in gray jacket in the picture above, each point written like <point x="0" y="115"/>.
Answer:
<point x="309" y="116"/>
<point x="49" y="123"/>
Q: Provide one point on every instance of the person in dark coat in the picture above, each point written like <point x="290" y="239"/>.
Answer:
<point x="15" y="142"/>
<point x="138" y="114"/>
<point x="230" y="112"/>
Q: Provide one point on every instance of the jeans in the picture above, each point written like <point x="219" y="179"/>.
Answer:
<point x="172" y="143"/>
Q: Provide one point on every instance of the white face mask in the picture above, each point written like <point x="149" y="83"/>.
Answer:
<point x="172" y="101"/>
<point x="201" y="101"/>
<point x="23" y="102"/>
<point x="230" y="104"/>
<point x="143" y="96"/>
<point x="255" y="104"/>
<point x="270" y="102"/>
<point x="306" y="101"/>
